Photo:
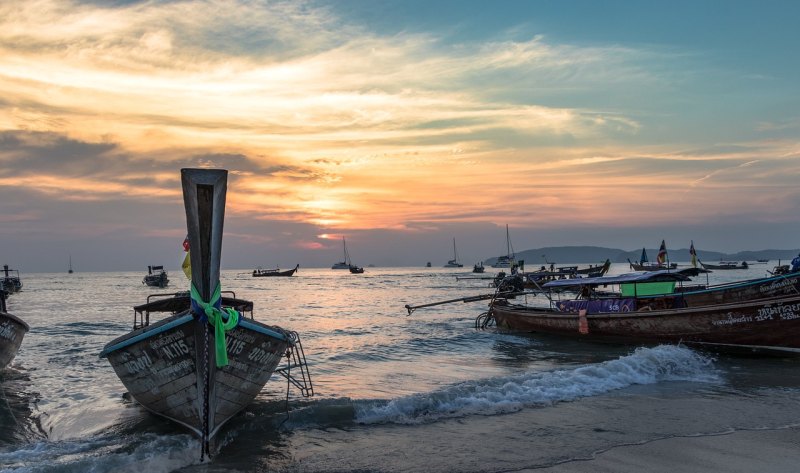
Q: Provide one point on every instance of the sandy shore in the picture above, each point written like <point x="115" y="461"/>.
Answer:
<point x="773" y="451"/>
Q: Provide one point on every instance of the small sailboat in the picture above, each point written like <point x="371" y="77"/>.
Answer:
<point x="12" y="329"/>
<point x="453" y="263"/>
<point x="344" y="264"/>
<point x="69" y="271"/>
<point x="507" y="260"/>
<point x="207" y="361"/>
<point x="354" y="269"/>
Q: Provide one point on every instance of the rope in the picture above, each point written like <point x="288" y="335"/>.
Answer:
<point x="204" y="450"/>
<point x="214" y="314"/>
<point x="288" y="384"/>
<point x="212" y="311"/>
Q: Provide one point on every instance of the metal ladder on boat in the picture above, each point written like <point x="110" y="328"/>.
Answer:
<point x="297" y="361"/>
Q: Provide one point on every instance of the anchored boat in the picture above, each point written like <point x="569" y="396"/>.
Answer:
<point x="725" y="265"/>
<point x="265" y="273"/>
<point x="453" y="263"/>
<point x="12" y="329"/>
<point x="156" y="277"/>
<point x="203" y="364"/>
<point x="10" y="281"/>
<point x="755" y="315"/>
<point x="345" y="263"/>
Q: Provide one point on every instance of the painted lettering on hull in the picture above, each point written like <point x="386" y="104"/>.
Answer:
<point x="8" y="331"/>
<point x="139" y="363"/>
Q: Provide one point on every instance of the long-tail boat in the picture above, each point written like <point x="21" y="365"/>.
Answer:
<point x="725" y="265"/>
<point x="156" y="277"/>
<point x="10" y="282"/>
<point x="202" y="365"/>
<point x="756" y="315"/>
<point x="265" y="273"/>
<point x="12" y="329"/>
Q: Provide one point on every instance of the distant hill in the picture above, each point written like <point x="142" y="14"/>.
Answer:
<point x="598" y="254"/>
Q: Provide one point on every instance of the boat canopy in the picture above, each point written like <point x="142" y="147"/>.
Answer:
<point x="635" y="278"/>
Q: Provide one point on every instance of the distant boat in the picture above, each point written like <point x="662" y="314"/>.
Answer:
<point x="651" y="266"/>
<point x="453" y="263"/>
<point x="156" y="277"/>
<point x="69" y="271"/>
<point x="644" y="265"/>
<point x="206" y="361"/>
<point x="725" y="265"/>
<point x="11" y="282"/>
<point x="478" y="268"/>
<point x="12" y="329"/>
<point x="507" y="260"/>
<point x="573" y="271"/>
<point x="347" y="263"/>
<point x="344" y="264"/>
<point x="762" y="261"/>
<point x="428" y="265"/>
<point x="263" y="273"/>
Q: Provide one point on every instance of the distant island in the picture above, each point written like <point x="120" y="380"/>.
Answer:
<point x="598" y="254"/>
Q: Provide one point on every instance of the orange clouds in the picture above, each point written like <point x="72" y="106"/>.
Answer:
<point x="325" y="123"/>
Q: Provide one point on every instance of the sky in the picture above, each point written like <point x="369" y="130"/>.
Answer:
<point x="398" y="125"/>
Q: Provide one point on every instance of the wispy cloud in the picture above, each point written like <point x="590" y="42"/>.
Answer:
<point x="325" y="122"/>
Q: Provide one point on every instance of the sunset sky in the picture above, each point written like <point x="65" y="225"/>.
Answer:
<point x="399" y="125"/>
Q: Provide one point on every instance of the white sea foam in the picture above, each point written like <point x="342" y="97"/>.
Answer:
<point x="509" y="394"/>
<point x="147" y="453"/>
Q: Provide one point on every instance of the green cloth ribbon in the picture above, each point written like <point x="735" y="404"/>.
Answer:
<point x="220" y="324"/>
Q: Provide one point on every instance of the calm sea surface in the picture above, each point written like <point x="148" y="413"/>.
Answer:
<point x="426" y="392"/>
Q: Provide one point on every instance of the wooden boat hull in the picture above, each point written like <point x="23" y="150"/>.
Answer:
<point x="652" y="267"/>
<point x="10" y="285"/>
<point x="163" y="368"/>
<point x="772" y="324"/>
<point x="723" y="266"/>
<point x="272" y="273"/>
<point x="156" y="281"/>
<point x="12" y="329"/>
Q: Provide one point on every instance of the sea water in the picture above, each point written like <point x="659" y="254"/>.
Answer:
<point x="427" y="392"/>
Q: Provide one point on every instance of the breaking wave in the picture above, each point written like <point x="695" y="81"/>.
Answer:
<point x="510" y="394"/>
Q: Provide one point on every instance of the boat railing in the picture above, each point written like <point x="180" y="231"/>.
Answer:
<point x="141" y="315"/>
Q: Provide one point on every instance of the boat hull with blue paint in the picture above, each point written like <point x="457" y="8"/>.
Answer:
<point x="164" y="367"/>
<point x="171" y="366"/>
<point x="12" y="329"/>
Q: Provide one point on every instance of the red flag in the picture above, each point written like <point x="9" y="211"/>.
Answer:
<point x="186" y="243"/>
<point x="662" y="253"/>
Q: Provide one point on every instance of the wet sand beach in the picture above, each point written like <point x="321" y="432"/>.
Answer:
<point x="774" y="451"/>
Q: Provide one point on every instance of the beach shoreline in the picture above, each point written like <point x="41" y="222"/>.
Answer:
<point x="770" y="450"/>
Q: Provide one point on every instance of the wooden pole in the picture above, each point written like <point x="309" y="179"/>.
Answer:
<point x="483" y="297"/>
<point x="204" y="193"/>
